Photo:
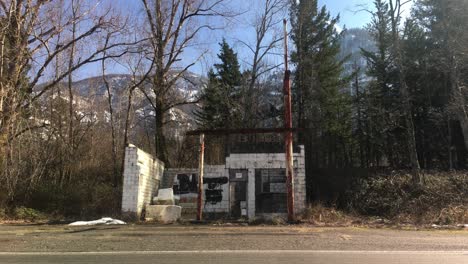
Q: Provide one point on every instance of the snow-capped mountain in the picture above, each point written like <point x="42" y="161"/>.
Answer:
<point x="90" y="97"/>
<point x="353" y="40"/>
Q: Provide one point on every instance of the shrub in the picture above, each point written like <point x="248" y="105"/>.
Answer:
<point x="319" y="214"/>
<point x="77" y="200"/>
<point x="442" y="199"/>
<point x="105" y="201"/>
<point x="29" y="214"/>
<point x="3" y="214"/>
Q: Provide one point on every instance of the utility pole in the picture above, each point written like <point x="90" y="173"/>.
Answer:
<point x="288" y="137"/>
<point x="200" y="178"/>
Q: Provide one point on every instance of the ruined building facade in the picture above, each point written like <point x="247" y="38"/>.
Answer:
<point x="248" y="185"/>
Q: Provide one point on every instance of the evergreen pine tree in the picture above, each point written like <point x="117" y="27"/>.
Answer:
<point x="228" y="71"/>
<point x="445" y="35"/>
<point x="383" y="95"/>
<point x="209" y="116"/>
<point x="220" y="98"/>
<point x="320" y="103"/>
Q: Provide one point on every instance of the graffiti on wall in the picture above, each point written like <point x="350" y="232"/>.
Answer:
<point x="214" y="192"/>
<point x="186" y="184"/>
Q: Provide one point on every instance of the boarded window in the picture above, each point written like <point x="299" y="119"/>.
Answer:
<point x="273" y="180"/>
<point x="270" y="190"/>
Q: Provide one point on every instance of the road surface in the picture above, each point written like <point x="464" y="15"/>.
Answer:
<point x="242" y="256"/>
<point x="228" y="244"/>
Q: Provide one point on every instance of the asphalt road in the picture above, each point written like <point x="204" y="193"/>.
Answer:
<point x="228" y="244"/>
<point x="234" y="257"/>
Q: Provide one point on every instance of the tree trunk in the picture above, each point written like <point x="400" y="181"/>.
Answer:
<point x="126" y="128"/>
<point x="395" y="10"/>
<point x="160" y="139"/>
<point x="449" y="144"/>
<point x="115" y="172"/>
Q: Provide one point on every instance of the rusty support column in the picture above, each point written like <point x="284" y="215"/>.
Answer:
<point x="200" y="178"/>
<point x="288" y="137"/>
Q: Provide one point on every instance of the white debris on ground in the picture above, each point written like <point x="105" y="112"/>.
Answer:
<point x="102" y="221"/>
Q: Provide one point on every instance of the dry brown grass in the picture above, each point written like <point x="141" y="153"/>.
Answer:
<point x="442" y="200"/>
<point x="320" y="215"/>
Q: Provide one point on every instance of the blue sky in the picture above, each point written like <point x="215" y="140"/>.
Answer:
<point x="240" y="28"/>
<point x="348" y="10"/>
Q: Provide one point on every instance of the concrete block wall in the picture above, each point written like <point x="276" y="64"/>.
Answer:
<point x="300" y="198"/>
<point x="252" y="162"/>
<point x="210" y="171"/>
<point x="271" y="161"/>
<point x="142" y="174"/>
<point x="170" y="174"/>
<point x="250" y="193"/>
<point x="214" y="171"/>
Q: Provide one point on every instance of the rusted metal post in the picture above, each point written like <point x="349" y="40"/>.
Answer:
<point x="288" y="137"/>
<point x="200" y="178"/>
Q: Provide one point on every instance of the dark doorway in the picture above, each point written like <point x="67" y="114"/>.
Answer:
<point x="238" y="192"/>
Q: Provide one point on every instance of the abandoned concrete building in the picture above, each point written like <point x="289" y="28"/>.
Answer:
<point x="248" y="185"/>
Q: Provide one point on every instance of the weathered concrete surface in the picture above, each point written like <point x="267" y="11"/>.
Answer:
<point x="248" y="163"/>
<point x="142" y="174"/>
<point x="163" y="213"/>
<point x="177" y="237"/>
<point x="166" y="197"/>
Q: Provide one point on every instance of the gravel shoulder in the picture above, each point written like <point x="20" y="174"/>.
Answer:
<point x="62" y="238"/>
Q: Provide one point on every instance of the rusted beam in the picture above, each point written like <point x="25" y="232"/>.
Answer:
<point x="288" y="135"/>
<point x="241" y="131"/>
<point x="200" y="178"/>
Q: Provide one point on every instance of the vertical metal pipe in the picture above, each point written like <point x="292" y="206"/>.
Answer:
<point x="200" y="178"/>
<point x="288" y="137"/>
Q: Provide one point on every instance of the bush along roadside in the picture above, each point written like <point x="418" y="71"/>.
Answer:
<point x="22" y="214"/>
<point x="441" y="200"/>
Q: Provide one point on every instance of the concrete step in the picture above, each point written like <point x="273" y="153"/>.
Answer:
<point x="189" y="216"/>
<point x="189" y="211"/>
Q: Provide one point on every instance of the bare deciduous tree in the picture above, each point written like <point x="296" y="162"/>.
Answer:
<point x="268" y="35"/>
<point x="35" y="35"/>
<point x="173" y="26"/>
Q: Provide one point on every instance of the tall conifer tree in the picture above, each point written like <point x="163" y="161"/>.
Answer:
<point x="220" y="98"/>
<point x="321" y="105"/>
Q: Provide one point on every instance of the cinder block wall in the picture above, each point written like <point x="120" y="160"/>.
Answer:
<point x="251" y="162"/>
<point x="171" y="173"/>
<point x="271" y="161"/>
<point x="142" y="174"/>
<point x="299" y="182"/>
<point x="214" y="171"/>
<point x="210" y="171"/>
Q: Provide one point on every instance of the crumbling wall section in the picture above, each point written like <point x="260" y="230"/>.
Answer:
<point x="142" y="174"/>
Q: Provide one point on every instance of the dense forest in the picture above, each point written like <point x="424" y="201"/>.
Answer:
<point x="390" y="95"/>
